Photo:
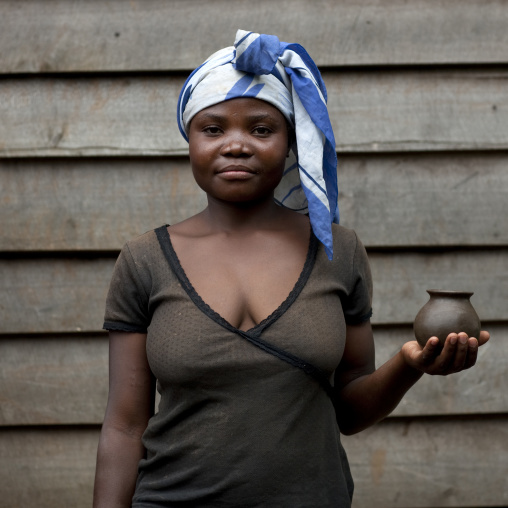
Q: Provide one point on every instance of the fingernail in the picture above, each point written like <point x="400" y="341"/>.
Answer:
<point x="453" y="340"/>
<point x="463" y="339"/>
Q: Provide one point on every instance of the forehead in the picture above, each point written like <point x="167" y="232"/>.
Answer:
<point x="244" y="107"/>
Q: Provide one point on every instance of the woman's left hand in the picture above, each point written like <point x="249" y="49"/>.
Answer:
<point x="458" y="353"/>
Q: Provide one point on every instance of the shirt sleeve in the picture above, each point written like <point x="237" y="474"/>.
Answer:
<point x="358" y="306"/>
<point x="127" y="300"/>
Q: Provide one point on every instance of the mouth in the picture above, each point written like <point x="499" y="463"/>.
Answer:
<point x="236" y="169"/>
<point x="236" y="172"/>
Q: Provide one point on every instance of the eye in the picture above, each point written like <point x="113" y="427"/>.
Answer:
<point x="213" y="130"/>
<point x="261" y="130"/>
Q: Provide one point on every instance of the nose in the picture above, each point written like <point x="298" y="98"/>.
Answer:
<point x="236" y="144"/>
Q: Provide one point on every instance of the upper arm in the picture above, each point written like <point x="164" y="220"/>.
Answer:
<point x="131" y="383"/>
<point x="358" y="358"/>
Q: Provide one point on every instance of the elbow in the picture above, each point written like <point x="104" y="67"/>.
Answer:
<point x="350" y="427"/>
<point x="347" y="426"/>
<point x="349" y="430"/>
<point x="355" y="423"/>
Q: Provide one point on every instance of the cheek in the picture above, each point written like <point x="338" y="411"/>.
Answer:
<point x="276" y="156"/>
<point x="198" y="154"/>
<point x="201" y="161"/>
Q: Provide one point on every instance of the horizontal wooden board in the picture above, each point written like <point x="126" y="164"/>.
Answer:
<point x="425" y="199"/>
<point x="64" y="380"/>
<point x="401" y="281"/>
<point x="58" y="36"/>
<point x="374" y="111"/>
<point x="68" y="295"/>
<point x="53" y="295"/>
<point x="396" y="464"/>
<point x="47" y="468"/>
<point x="94" y="205"/>
<point x="48" y="380"/>
<point x="390" y="200"/>
<point x="430" y="463"/>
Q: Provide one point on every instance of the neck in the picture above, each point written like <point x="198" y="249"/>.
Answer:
<point x="227" y="216"/>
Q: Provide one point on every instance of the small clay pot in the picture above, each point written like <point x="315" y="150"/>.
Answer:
<point x="446" y="312"/>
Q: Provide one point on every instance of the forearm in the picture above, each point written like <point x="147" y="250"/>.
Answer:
<point x="369" y="398"/>
<point x="118" y="456"/>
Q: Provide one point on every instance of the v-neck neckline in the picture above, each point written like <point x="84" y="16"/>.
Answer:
<point x="172" y="258"/>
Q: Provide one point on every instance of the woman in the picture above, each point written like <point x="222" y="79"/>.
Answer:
<point x="245" y="312"/>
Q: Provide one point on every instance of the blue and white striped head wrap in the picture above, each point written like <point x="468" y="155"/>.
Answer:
<point x="284" y="75"/>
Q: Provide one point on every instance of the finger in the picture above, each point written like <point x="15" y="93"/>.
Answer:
<point x="444" y="363"/>
<point x="483" y="338"/>
<point x="472" y="353"/>
<point x="431" y="350"/>
<point x="461" y="352"/>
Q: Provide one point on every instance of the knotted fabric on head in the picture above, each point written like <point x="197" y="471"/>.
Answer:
<point x="284" y="75"/>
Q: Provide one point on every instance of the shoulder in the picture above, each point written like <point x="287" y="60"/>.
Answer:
<point x="349" y="254"/>
<point x="344" y="239"/>
<point x="142" y="255"/>
<point x="144" y="244"/>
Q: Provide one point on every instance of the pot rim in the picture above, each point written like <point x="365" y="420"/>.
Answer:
<point x="449" y="292"/>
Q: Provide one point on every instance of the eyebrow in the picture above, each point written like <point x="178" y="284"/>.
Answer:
<point x="252" y="118"/>
<point x="211" y="116"/>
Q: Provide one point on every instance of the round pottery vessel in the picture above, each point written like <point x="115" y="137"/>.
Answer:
<point x="444" y="313"/>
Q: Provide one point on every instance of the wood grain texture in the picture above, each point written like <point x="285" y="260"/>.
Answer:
<point x="444" y="199"/>
<point x="390" y="200"/>
<point x="53" y="295"/>
<point x="423" y="110"/>
<point x="430" y="463"/>
<point x="406" y="463"/>
<point x="378" y="111"/>
<point x="68" y="295"/>
<point x="47" y="468"/>
<point x="58" y="36"/>
<point x="53" y="380"/>
<point x="91" y="205"/>
<point x="64" y="380"/>
<point x="401" y="281"/>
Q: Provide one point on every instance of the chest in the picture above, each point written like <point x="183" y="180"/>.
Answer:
<point x="190" y="344"/>
<point x="244" y="282"/>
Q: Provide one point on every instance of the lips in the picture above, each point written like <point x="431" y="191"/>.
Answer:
<point x="236" y="169"/>
<point x="236" y="172"/>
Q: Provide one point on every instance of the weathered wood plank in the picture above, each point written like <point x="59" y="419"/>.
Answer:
<point x="430" y="463"/>
<point x="371" y="112"/>
<point x="53" y="295"/>
<point x="396" y="464"/>
<point x="66" y="295"/>
<point x="425" y="199"/>
<point x="47" y="468"/>
<point x="49" y="380"/>
<point x="390" y="200"/>
<point x="89" y="116"/>
<point x="58" y="36"/>
<point x="65" y="205"/>
<point x="426" y="110"/>
<point x="401" y="281"/>
<point x="64" y="380"/>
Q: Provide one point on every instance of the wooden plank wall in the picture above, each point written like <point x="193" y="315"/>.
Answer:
<point x="90" y="157"/>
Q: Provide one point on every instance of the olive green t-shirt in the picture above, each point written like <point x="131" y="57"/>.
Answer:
<point x="236" y="426"/>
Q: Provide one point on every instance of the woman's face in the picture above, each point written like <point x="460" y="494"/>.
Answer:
<point x="238" y="149"/>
